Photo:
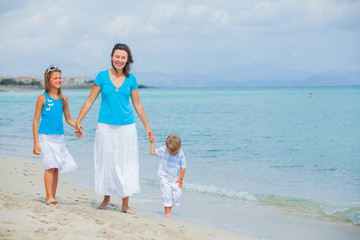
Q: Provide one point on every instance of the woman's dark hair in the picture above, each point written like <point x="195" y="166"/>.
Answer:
<point x="121" y="46"/>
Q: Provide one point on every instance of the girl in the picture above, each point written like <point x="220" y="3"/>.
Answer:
<point x="49" y="137"/>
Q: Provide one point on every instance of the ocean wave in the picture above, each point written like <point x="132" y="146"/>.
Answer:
<point x="289" y="166"/>
<point x="208" y="190"/>
<point x="349" y="214"/>
<point x="217" y="191"/>
<point x="346" y="214"/>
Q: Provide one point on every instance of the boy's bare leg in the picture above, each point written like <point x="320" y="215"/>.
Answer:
<point x="167" y="211"/>
<point x="104" y="203"/>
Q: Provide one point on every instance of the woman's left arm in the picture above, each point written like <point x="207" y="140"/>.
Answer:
<point x="141" y="113"/>
<point x="68" y="118"/>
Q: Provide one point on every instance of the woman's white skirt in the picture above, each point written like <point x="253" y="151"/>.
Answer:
<point x="55" y="154"/>
<point x="116" y="161"/>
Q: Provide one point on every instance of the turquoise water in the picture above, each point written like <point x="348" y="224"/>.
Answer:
<point x="273" y="147"/>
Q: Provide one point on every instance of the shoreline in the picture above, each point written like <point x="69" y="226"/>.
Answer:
<point x="5" y="88"/>
<point x="24" y="213"/>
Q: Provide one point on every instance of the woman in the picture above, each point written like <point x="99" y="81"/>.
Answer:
<point x="116" y="161"/>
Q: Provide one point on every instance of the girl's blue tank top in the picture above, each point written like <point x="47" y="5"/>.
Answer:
<point x="51" y="116"/>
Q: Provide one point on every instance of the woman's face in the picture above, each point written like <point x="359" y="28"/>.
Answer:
<point x="119" y="59"/>
<point x="55" y="80"/>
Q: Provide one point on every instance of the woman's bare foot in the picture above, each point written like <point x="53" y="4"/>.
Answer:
<point x="127" y="210"/>
<point x="104" y="203"/>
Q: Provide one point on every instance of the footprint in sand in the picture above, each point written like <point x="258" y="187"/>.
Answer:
<point x="52" y="229"/>
<point x="97" y="221"/>
<point x="6" y="222"/>
<point x="62" y="221"/>
<point x="39" y="230"/>
<point x="44" y="221"/>
<point x="32" y="215"/>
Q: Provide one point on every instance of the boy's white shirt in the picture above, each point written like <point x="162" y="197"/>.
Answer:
<point x="170" y="165"/>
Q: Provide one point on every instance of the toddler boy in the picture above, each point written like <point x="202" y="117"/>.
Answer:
<point x="171" y="171"/>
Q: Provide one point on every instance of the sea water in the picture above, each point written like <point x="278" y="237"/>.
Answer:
<point x="274" y="150"/>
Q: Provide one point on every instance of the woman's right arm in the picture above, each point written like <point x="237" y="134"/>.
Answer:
<point x="95" y="91"/>
<point x="39" y="104"/>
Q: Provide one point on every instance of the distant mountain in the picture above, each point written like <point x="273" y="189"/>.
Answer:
<point x="251" y="77"/>
<point x="331" y="78"/>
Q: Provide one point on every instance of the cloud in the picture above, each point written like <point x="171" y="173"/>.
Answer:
<point x="284" y="14"/>
<point x="172" y="36"/>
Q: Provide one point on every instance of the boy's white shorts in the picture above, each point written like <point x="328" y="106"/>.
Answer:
<point x="170" y="193"/>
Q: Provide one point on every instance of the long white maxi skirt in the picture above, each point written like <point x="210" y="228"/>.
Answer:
<point x="55" y="154"/>
<point x="116" y="160"/>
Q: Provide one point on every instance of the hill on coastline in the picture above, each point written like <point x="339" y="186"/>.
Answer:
<point x="226" y="79"/>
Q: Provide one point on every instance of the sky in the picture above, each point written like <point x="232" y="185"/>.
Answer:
<point x="215" y="39"/>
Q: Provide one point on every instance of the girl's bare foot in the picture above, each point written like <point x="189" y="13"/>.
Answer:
<point x="51" y="201"/>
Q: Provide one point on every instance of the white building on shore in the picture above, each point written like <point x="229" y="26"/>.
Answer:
<point x="71" y="81"/>
<point x="28" y="80"/>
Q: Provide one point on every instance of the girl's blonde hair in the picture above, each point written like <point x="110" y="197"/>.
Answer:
<point x="47" y="76"/>
<point x="173" y="143"/>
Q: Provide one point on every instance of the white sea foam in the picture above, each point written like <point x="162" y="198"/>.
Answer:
<point x="213" y="190"/>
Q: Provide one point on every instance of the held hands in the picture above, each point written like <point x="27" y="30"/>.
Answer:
<point x="150" y="135"/>
<point x="78" y="130"/>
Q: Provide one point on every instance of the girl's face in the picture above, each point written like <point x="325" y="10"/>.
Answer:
<point x="55" y="80"/>
<point x="119" y="59"/>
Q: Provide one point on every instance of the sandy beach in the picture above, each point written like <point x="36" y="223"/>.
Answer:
<point x="24" y="214"/>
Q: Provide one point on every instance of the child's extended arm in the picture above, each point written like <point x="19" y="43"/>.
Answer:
<point x="39" y="104"/>
<point x="68" y="118"/>
<point x="152" y="148"/>
<point x="182" y="173"/>
<point x="95" y="91"/>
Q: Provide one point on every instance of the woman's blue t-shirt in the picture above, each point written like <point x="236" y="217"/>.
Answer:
<point x="115" y="107"/>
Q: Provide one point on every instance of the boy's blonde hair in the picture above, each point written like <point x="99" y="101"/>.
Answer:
<point x="173" y="143"/>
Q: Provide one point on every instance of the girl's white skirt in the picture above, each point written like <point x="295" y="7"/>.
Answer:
<point x="116" y="160"/>
<point x="55" y="154"/>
